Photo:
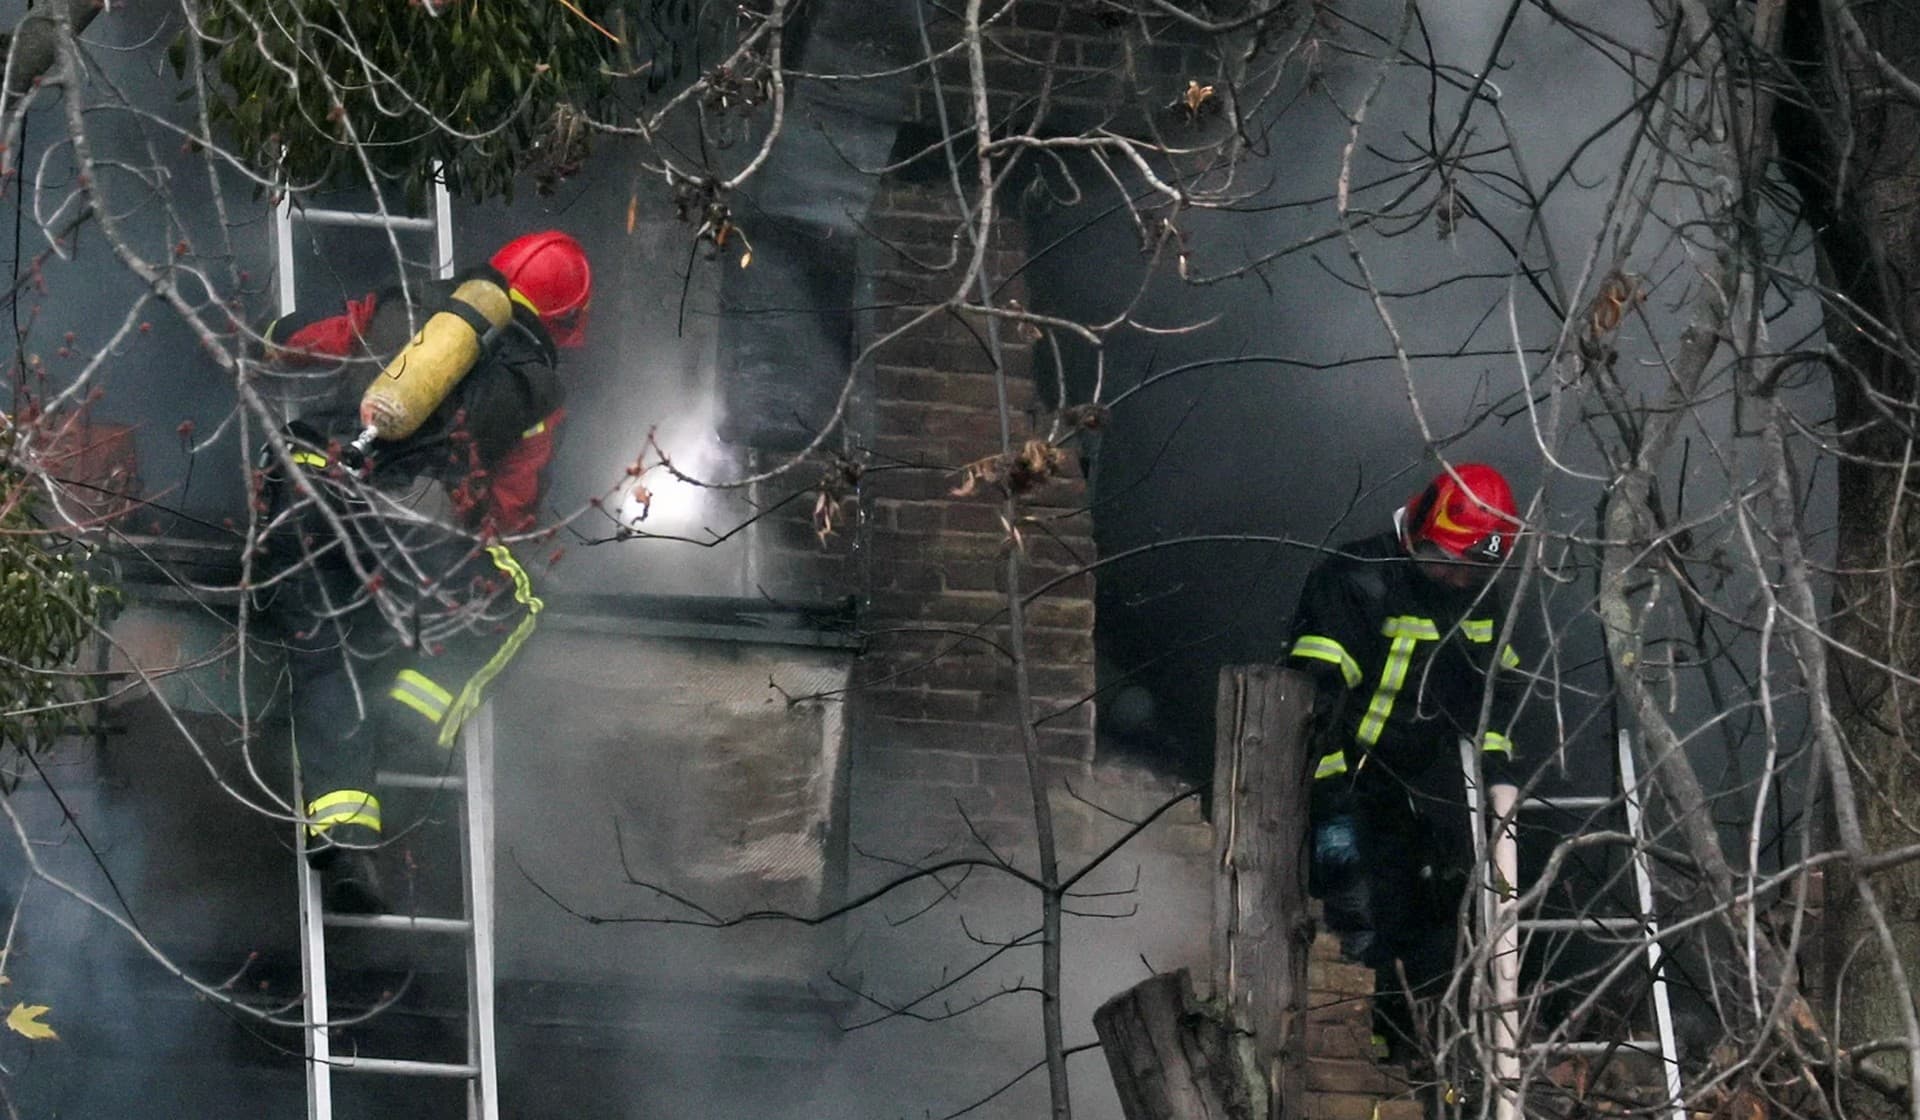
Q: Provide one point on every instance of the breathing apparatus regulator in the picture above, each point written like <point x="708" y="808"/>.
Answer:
<point x="422" y="375"/>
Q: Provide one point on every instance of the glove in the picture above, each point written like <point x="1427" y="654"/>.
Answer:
<point x="302" y="437"/>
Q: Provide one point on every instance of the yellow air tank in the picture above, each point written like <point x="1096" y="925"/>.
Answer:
<point x="432" y="362"/>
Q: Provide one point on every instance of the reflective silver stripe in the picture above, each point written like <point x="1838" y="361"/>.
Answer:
<point x="1321" y="648"/>
<point x="1405" y="630"/>
<point x="419" y="692"/>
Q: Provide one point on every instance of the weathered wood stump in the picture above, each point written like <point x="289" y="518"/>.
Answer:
<point x="1261" y="929"/>
<point x="1240" y="1054"/>
<point x="1176" y="1058"/>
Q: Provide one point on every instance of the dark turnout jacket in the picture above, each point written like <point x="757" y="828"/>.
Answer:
<point x="1407" y="662"/>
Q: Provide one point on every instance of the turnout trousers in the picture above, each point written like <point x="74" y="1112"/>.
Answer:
<point x="358" y="693"/>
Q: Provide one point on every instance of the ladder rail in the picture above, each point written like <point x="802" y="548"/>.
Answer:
<point x="1498" y="863"/>
<point x="313" y="975"/>
<point x="1643" y="889"/>
<point x="476" y="858"/>
<point x="283" y="272"/>
<point x="442" y="226"/>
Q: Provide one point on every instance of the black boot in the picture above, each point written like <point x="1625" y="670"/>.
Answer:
<point x="350" y="883"/>
<point x="349" y="874"/>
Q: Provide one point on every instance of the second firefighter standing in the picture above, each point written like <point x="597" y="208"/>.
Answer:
<point x="1400" y="631"/>
<point x="387" y="579"/>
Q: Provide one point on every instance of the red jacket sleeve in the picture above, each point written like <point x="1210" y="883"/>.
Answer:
<point x="332" y="337"/>
<point x="515" y="489"/>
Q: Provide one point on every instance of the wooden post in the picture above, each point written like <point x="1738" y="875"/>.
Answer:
<point x="1261" y="932"/>
<point x="1174" y="1058"/>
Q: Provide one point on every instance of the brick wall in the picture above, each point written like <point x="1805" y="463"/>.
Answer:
<point x="936" y="703"/>
<point x="933" y="714"/>
<point x="1343" y="1080"/>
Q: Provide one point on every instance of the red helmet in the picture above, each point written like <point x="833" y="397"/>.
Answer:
<point x="549" y="272"/>
<point x="1468" y="514"/>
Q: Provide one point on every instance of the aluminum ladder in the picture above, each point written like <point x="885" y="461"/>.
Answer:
<point x="1499" y="903"/>
<point x="473" y="783"/>
<point x="286" y="215"/>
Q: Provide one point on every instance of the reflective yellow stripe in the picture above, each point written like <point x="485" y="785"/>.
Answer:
<point x="1496" y="742"/>
<point x="418" y="691"/>
<point x="309" y="459"/>
<point x="1405" y="630"/>
<point x="515" y="295"/>
<point x="469" y="699"/>
<point x="1481" y="630"/>
<point x="343" y="806"/>
<point x="1326" y="649"/>
<point x="356" y="797"/>
<point x="1331" y="765"/>
<point x="1409" y="626"/>
<point x="534" y="431"/>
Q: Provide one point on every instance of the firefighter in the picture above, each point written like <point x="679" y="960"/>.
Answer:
<point x="387" y="579"/>
<point x="1399" y="632"/>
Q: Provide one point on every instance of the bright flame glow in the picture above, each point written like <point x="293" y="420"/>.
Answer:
<point x="671" y="504"/>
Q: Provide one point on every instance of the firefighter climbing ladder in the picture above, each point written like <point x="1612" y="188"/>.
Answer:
<point x="1498" y="911"/>
<point x="473" y="783"/>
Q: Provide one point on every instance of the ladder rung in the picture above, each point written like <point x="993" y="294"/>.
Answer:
<point x="394" y="780"/>
<point x="403" y="922"/>
<point x="1567" y="804"/>
<point x="1584" y="925"/>
<point x="363" y="220"/>
<point x="1645" y="1046"/>
<point x="404" y="1068"/>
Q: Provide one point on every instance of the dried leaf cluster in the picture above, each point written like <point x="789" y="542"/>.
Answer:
<point x="1035" y="463"/>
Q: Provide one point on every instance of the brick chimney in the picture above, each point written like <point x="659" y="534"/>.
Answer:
<point x="935" y="715"/>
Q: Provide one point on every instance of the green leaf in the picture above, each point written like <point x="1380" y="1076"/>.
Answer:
<point x="24" y="1019"/>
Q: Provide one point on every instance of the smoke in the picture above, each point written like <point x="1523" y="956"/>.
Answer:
<point x="1296" y="418"/>
<point x="647" y="384"/>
